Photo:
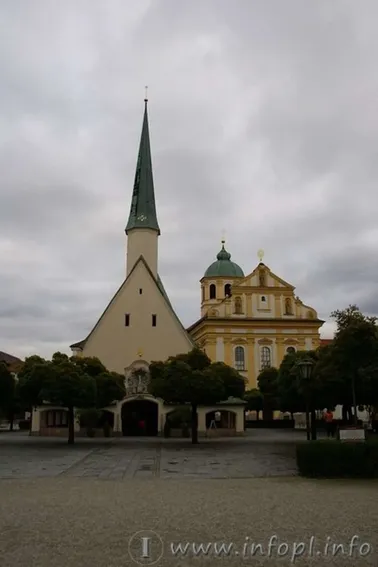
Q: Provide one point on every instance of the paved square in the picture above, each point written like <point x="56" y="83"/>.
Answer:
<point x="91" y="504"/>
<point x="257" y="455"/>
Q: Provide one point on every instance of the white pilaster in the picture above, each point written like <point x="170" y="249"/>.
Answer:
<point x="219" y="350"/>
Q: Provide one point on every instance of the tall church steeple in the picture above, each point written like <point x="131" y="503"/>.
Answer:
<point x="142" y="228"/>
<point x="143" y="209"/>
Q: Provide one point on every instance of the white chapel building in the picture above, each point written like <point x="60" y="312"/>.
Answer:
<point x="139" y="325"/>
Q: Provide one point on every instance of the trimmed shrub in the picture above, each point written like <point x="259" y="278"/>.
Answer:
<point x="338" y="459"/>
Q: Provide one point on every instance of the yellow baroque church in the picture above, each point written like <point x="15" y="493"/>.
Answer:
<point x="251" y="322"/>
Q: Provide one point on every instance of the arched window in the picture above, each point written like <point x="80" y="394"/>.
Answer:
<point x="213" y="291"/>
<point x="239" y="358"/>
<point x="203" y="293"/>
<point x="288" y="307"/>
<point x="290" y="350"/>
<point x="266" y="360"/>
<point x="227" y="290"/>
<point x="263" y="299"/>
<point x="238" y="305"/>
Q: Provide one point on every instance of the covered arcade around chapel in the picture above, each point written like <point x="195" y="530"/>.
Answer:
<point x="125" y="416"/>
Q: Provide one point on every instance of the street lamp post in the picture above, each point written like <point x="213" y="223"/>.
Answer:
<point x="306" y="368"/>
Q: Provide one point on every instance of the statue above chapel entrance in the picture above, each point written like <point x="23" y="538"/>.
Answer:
<point x="137" y="378"/>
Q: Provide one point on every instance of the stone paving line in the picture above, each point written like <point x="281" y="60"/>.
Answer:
<point x="167" y="462"/>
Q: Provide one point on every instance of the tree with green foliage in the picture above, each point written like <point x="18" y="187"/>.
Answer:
<point x="74" y="383"/>
<point x="66" y="385"/>
<point x="349" y="366"/>
<point x="32" y="380"/>
<point x="255" y="401"/>
<point x="192" y="379"/>
<point x="196" y="358"/>
<point x="267" y="383"/>
<point x="8" y="393"/>
<point x="110" y="387"/>
<point x="233" y="383"/>
<point x="293" y="392"/>
<point x="89" y="365"/>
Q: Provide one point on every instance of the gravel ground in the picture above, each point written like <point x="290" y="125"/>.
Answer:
<point x="63" y="521"/>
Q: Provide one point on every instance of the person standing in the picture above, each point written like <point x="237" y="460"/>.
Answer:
<point x="328" y="418"/>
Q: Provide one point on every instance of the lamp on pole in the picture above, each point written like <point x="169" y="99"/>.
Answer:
<point x="306" y="368"/>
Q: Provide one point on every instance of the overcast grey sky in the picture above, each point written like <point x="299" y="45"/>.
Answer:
<point x="263" y="121"/>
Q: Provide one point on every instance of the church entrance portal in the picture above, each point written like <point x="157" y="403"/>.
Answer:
<point x="140" y="417"/>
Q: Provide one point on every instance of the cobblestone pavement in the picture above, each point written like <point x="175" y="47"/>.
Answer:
<point x="59" y="522"/>
<point x="257" y="455"/>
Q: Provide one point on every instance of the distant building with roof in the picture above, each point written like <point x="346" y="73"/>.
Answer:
<point x="13" y="362"/>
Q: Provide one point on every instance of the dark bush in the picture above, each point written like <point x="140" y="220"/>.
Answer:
<point x="107" y="429"/>
<point x="338" y="459"/>
<point x="179" y="416"/>
<point x="24" y="424"/>
<point x="167" y="428"/>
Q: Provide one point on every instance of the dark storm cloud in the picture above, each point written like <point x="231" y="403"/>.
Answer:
<point x="263" y="122"/>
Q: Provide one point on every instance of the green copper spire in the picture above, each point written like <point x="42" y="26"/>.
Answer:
<point x="143" y="210"/>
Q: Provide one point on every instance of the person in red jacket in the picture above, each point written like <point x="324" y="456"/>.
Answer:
<point x="328" y="418"/>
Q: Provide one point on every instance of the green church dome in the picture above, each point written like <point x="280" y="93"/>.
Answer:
<point x="223" y="267"/>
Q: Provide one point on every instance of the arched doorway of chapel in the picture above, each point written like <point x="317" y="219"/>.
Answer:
<point x="140" y="418"/>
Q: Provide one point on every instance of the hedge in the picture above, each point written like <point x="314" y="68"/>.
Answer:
<point x="338" y="459"/>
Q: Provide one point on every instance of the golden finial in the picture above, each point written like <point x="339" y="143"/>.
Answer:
<point x="145" y="94"/>
<point x="140" y="352"/>
<point x="260" y="254"/>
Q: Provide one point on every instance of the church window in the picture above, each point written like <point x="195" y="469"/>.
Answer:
<point x="290" y="350"/>
<point x="263" y="299"/>
<point x="213" y="291"/>
<point x="227" y="290"/>
<point x="127" y="320"/>
<point x="238" y="305"/>
<point x="239" y="358"/>
<point x="203" y="293"/>
<point x="154" y="320"/>
<point x="288" y="306"/>
<point x="266" y="360"/>
<point x="140" y="291"/>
